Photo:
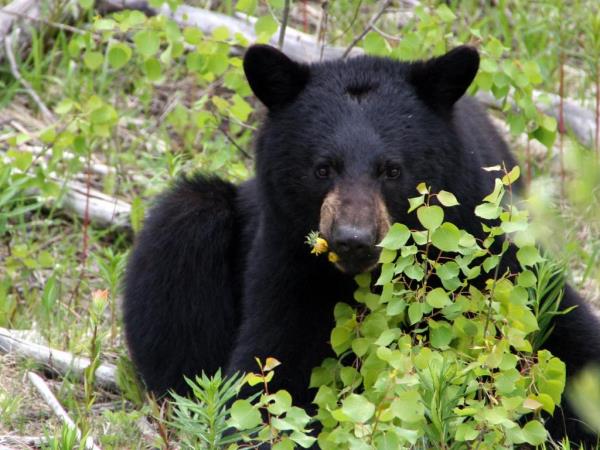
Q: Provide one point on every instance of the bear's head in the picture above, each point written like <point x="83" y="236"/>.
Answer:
<point x="346" y="142"/>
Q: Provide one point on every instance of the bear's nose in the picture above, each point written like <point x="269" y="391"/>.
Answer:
<point x="352" y="241"/>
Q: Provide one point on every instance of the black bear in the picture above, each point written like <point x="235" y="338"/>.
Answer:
<point x="221" y="274"/>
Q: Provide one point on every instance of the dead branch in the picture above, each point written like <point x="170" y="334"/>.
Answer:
<point x="57" y="361"/>
<point x="15" y="72"/>
<point x="103" y="209"/>
<point x="57" y="408"/>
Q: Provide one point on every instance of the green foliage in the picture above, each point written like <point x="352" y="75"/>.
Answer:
<point x="441" y="350"/>
<point x="211" y="421"/>
<point x="430" y="357"/>
<point x="149" y="100"/>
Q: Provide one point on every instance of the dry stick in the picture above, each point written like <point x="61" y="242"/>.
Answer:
<point x="57" y="408"/>
<point x="284" y="22"/>
<point x="368" y="28"/>
<point x="15" y="71"/>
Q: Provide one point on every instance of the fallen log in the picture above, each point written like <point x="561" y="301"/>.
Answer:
<point x="57" y="361"/>
<point x="102" y="209"/>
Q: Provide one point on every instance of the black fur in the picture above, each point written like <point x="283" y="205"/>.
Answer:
<point x="220" y="274"/>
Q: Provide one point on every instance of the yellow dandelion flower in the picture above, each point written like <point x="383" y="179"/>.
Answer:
<point x="333" y="257"/>
<point x="319" y="246"/>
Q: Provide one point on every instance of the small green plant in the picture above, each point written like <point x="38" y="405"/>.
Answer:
<point x="213" y="420"/>
<point x="441" y="350"/>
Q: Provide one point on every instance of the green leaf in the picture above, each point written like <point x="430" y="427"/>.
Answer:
<point x="93" y="60"/>
<point x="396" y="237"/>
<point x="447" y="271"/>
<point x="534" y="433"/>
<point x="415" y="202"/>
<point x="357" y="408"/>
<point x="247" y="6"/>
<point x="244" y="416"/>
<point x="192" y="35"/>
<point x="438" y="298"/>
<point x="408" y="407"/>
<point x="414" y="272"/>
<point x="440" y="334"/>
<point x="415" y="313"/>
<point x="118" y="55"/>
<point x="445" y="13"/>
<point x="528" y="255"/>
<point x="387" y="255"/>
<point x="265" y="27"/>
<point x="532" y="71"/>
<point x="526" y="279"/>
<point x="430" y="217"/>
<point x="447" y="198"/>
<point x="375" y="44"/>
<point x="147" y="42"/>
<point x="422" y="189"/>
<point x="466" y="431"/>
<point x="511" y="176"/>
<point x="446" y="237"/>
<point x="240" y="109"/>
<point x="284" y="444"/>
<point x="152" y="69"/>
<point x="545" y="136"/>
<point x="387" y="273"/>
<point x="488" y="211"/>
<point x="340" y="339"/>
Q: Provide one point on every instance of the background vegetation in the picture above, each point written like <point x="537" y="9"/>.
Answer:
<point x="101" y="109"/>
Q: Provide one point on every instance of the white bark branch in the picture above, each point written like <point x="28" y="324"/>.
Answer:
<point x="57" y="408"/>
<point x="57" y="360"/>
<point x="103" y="209"/>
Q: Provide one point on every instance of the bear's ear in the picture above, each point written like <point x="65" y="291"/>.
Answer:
<point x="274" y="78"/>
<point x="441" y="81"/>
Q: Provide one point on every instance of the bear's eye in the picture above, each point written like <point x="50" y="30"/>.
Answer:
<point x="392" y="172"/>
<point x="322" y="171"/>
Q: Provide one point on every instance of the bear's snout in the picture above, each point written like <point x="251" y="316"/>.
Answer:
<point x="354" y="219"/>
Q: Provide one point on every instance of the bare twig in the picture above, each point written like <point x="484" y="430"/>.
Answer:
<point x="57" y="408"/>
<point x="15" y="72"/>
<point x="57" y="360"/>
<point x="284" y="22"/>
<point x="368" y="28"/>
<point x="235" y="144"/>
